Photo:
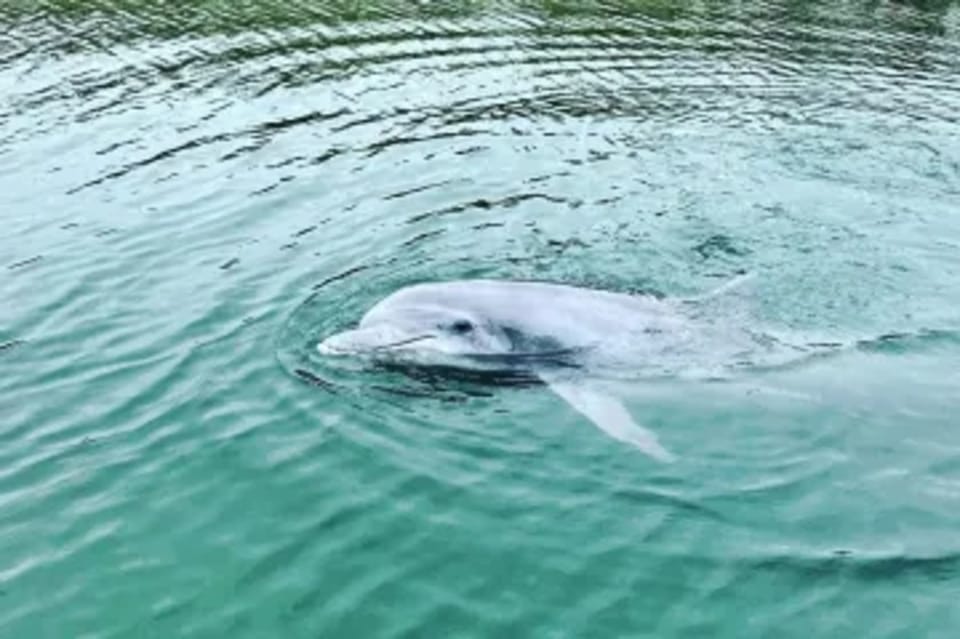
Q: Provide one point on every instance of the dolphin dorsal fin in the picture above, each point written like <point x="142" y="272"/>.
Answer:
<point x="733" y="286"/>
<point x="731" y="300"/>
<point x="609" y="415"/>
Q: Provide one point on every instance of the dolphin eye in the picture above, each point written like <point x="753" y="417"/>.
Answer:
<point x="461" y="326"/>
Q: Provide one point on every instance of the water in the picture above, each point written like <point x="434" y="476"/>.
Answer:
<point x="193" y="193"/>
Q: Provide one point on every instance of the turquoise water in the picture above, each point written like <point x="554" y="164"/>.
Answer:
<point x="194" y="193"/>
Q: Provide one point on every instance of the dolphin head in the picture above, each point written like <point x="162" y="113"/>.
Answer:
<point x="476" y="326"/>
<point x="417" y="333"/>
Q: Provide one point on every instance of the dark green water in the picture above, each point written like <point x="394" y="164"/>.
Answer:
<point x="192" y="193"/>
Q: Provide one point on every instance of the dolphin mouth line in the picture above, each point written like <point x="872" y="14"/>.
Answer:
<point x="403" y="342"/>
<point x="329" y="349"/>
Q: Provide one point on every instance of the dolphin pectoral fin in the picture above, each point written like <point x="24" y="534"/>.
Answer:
<point x="610" y="416"/>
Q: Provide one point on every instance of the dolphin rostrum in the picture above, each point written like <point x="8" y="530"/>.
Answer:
<point x="563" y="335"/>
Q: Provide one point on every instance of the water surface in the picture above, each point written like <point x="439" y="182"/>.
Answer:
<point x="193" y="193"/>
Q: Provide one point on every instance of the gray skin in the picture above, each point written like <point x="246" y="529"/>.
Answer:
<point x="564" y="335"/>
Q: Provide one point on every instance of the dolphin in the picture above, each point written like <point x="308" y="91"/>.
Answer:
<point x="560" y="334"/>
